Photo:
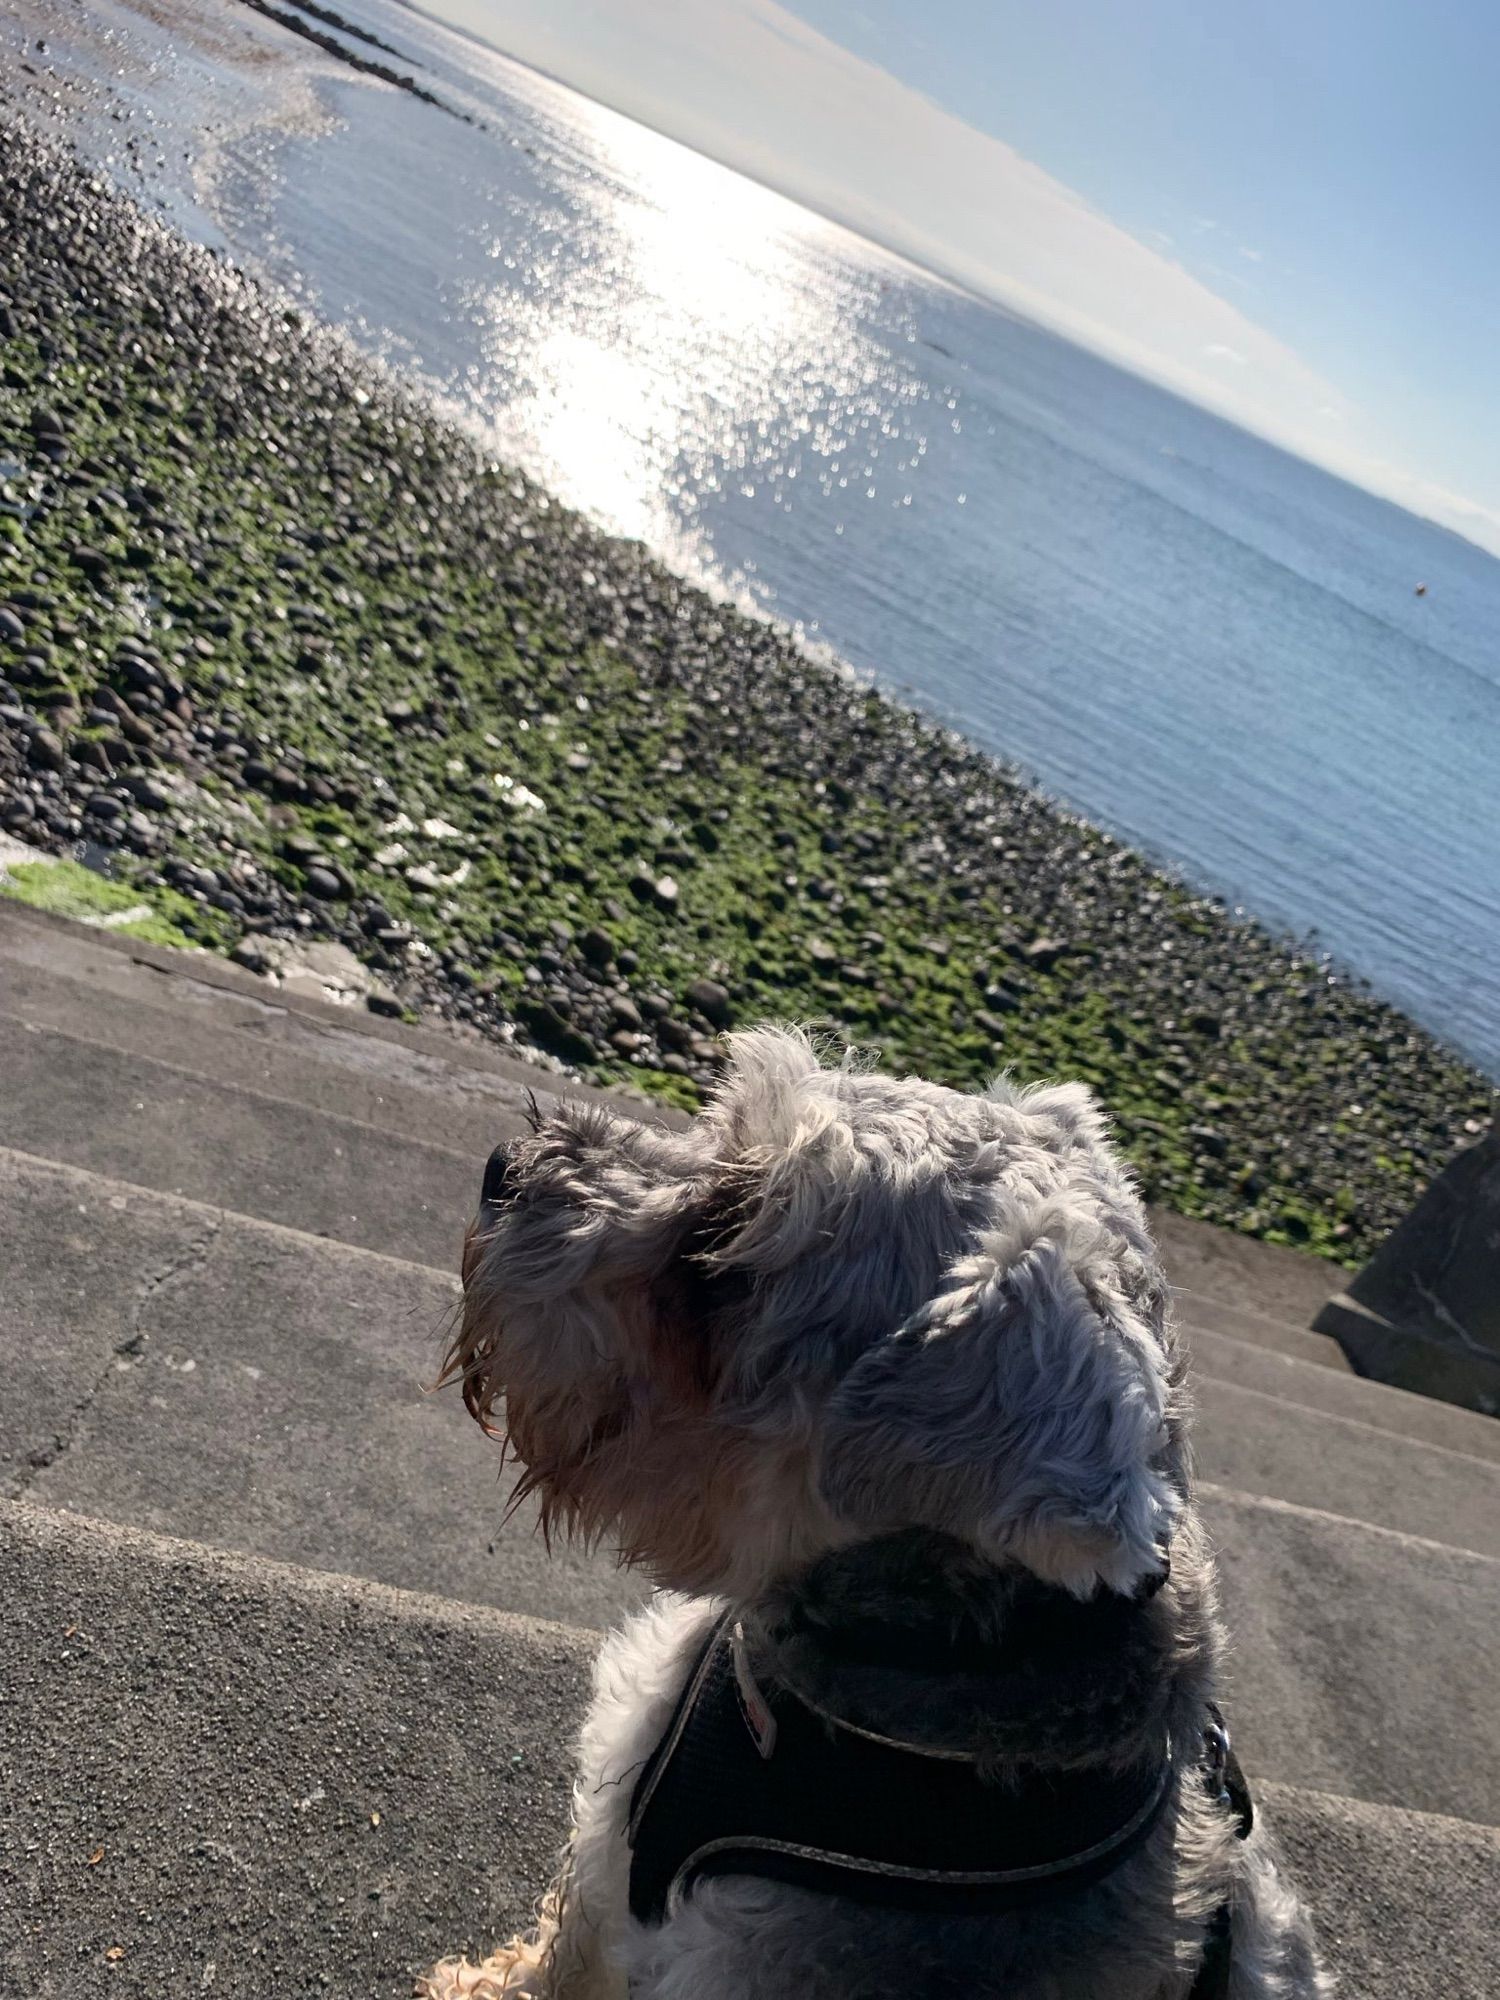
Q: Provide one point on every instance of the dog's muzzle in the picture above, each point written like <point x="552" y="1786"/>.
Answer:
<point x="497" y="1176"/>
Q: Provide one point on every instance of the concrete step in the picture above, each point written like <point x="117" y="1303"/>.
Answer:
<point x="1265" y="1279"/>
<point x="178" y="1368"/>
<point x="137" y="1119"/>
<point x="218" y="1378"/>
<point x="1276" y="1336"/>
<point x="1363" y="1661"/>
<point x="230" y="1776"/>
<point x="1404" y="1901"/>
<point x="442" y="1056"/>
<point x="191" y="1040"/>
<point x="235" y="1777"/>
<point x="261" y="1043"/>
<point x="1260" y="1444"/>
<point x="1317" y="1388"/>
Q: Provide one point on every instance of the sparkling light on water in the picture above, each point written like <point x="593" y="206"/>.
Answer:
<point x="662" y="337"/>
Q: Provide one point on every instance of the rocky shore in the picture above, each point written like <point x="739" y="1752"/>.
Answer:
<point x="283" y="656"/>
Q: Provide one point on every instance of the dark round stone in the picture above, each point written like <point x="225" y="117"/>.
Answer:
<point x="711" y="1000"/>
<point x="147" y="792"/>
<point x="93" y="563"/>
<point x="324" y="884"/>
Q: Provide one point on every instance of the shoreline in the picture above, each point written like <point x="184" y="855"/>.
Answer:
<point x="295" y="660"/>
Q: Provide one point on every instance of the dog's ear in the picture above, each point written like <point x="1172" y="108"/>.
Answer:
<point x="1027" y="1409"/>
<point x="577" y="1315"/>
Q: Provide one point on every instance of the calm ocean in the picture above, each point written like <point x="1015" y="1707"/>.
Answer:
<point x="1189" y="636"/>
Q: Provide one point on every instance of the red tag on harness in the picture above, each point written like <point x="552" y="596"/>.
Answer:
<point x="753" y="1705"/>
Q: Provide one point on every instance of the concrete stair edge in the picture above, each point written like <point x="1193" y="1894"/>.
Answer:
<point x="89" y="1181"/>
<point x="1193" y="1309"/>
<point x="264" y="1044"/>
<point x="236" y="1057"/>
<point x="1352" y="1426"/>
<point x="138" y="1119"/>
<point x="1223" y="1357"/>
<point x="42" y="1523"/>
<point x="1262" y="1446"/>
<point x="1416" y="1544"/>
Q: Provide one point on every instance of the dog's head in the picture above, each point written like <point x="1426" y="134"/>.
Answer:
<point x="839" y="1304"/>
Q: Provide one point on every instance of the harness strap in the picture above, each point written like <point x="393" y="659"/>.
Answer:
<point x="757" y="1783"/>
<point x="749" y="1783"/>
<point x="1226" y="1784"/>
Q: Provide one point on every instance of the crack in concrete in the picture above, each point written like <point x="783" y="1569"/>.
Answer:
<point x="130" y="1348"/>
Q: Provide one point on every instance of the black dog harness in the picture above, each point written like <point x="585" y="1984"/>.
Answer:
<point x="753" y="1782"/>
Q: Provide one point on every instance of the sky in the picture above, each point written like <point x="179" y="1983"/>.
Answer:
<point x="1283" y="209"/>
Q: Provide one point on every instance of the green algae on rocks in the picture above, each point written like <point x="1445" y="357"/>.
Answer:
<point x="68" y="890"/>
<point x="279" y="645"/>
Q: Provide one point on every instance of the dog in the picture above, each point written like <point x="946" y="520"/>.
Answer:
<point x="877" y="1380"/>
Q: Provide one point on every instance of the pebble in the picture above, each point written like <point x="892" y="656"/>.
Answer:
<point x="324" y="883"/>
<point x="712" y="1001"/>
<point x="45" y="748"/>
<point x="1043" y="952"/>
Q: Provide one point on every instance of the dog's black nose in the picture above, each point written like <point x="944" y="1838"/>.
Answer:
<point x="496" y="1176"/>
<point x="1150" y="1586"/>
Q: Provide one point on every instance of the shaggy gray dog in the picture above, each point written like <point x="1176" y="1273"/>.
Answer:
<point x="887" y="1370"/>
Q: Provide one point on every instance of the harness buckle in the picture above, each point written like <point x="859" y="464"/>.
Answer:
<point x="1216" y="1737"/>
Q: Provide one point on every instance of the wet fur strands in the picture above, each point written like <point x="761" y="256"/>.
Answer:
<point x="890" y="1370"/>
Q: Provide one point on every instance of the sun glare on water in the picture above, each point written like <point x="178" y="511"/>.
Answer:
<point x="673" y="344"/>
